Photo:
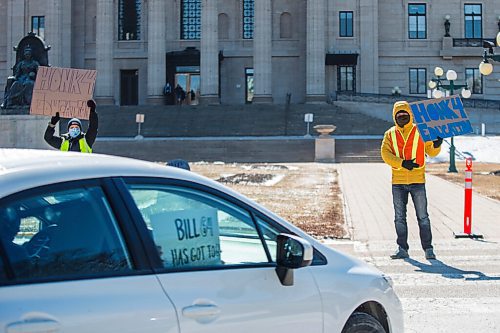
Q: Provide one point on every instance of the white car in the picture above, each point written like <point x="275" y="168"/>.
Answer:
<point x="95" y="243"/>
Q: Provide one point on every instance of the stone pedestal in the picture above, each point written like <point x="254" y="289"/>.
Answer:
<point x="324" y="145"/>
<point x="24" y="131"/>
<point x="324" y="150"/>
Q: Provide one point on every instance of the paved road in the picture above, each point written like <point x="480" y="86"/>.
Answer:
<point x="458" y="292"/>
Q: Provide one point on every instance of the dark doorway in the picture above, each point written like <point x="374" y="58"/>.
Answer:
<point x="129" y="87"/>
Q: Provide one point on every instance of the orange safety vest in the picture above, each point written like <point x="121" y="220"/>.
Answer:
<point x="411" y="148"/>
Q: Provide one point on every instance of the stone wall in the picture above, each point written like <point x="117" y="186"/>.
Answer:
<point x="23" y="131"/>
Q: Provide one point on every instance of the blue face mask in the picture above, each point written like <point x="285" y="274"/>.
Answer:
<point x="74" y="132"/>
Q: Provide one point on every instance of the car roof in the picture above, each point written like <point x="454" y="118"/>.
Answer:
<point x="22" y="169"/>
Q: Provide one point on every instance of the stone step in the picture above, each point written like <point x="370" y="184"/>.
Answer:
<point x="231" y="120"/>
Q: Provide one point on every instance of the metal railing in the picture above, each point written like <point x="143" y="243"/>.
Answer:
<point x="389" y="99"/>
<point x="471" y="42"/>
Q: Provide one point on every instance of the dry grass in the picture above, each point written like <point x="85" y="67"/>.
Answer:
<point x="484" y="181"/>
<point x="307" y="194"/>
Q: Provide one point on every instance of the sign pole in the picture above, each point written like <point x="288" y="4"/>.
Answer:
<point x="139" y="119"/>
<point x="308" y="118"/>
<point x="468" y="204"/>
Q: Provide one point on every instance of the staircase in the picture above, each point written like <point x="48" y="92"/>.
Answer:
<point x="237" y="133"/>
<point x="232" y="120"/>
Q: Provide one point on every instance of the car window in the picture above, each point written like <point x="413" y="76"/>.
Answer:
<point x="193" y="229"/>
<point x="62" y="233"/>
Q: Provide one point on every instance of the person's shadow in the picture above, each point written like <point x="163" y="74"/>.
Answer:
<point x="439" y="267"/>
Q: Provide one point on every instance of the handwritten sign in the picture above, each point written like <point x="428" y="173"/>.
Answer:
<point x="63" y="90"/>
<point x="188" y="237"/>
<point x="443" y="117"/>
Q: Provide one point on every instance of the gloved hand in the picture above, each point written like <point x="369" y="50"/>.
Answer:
<point x="91" y="104"/>
<point x="437" y="143"/>
<point x="409" y="164"/>
<point x="55" y="119"/>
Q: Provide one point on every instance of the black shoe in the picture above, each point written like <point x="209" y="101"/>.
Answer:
<point x="400" y="254"/>
<point x="429" y="254"/>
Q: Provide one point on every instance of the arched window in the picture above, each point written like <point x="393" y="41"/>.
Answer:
<point x="191" y="19"/>
<point x="286" y="25"/>
<point x="223" y="26"/>
<point x="129" y="19"/>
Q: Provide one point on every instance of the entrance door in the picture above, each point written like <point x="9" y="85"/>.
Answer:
<point x="190" y="83"/>
<point x="249" y="89"/>
<point x="129" y="87"/>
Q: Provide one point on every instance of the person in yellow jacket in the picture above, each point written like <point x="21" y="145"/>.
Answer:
<point x="75" y="140"/>
<point x="404" y="150"/>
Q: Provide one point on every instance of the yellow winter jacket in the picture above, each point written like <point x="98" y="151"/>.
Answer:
<point x="401" y="175"/>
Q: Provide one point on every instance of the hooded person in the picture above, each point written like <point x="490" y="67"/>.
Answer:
<point x="404" y="151"/>
<point x="75" y="139"/>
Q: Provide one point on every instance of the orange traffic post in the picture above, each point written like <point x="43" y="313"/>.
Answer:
<point x="468" y="203"/>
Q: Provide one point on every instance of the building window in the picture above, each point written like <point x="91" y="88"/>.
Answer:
<point x="418" y="79"/>
<point x="417" y="21"/>
<point x="129" y="20"/>
<point x="346" y="78"/>
<point x="473" y="21"/>
<point x="249" y="85"/>
<point x="38" y="25"/>
<point x="248" y="19"/>
<point x="345" y="21"/>
<point x="191" y="19"/>
<point x="474" y="80"/>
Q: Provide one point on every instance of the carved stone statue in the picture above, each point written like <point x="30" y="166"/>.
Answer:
<point x="447" y="28"/>
<point x="30" y="54"/>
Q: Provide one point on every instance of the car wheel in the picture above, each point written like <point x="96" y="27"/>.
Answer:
<point x="361" y="322"/>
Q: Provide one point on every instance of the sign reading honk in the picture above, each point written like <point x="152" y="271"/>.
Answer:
<point x="443" y="117"/>
<point x="63" y="90"/>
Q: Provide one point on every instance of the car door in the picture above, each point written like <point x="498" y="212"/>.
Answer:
<point x="70" y="263"/>
<point x="216" y="267"/>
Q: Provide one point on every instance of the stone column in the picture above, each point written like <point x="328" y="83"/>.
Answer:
<point x="156" y="50"/>
<point x="262" y="52"/>
<point x="15" y="31"/>
<point x="209" y="53"/>
<point x="368" y="59"/>
<point x="53" y="32"/>
<point x="104" y="51"/>
<point x="315" y="55"/>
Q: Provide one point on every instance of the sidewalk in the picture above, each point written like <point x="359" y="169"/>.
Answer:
<point x="368" y="194"/>
<point x="460" y="291"/>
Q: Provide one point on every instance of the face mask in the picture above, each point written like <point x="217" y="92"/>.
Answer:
<point x="402" y="120"/>
<point x="74" y="132"/>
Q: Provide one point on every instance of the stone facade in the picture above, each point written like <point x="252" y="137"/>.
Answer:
<point x="296" y="47"/>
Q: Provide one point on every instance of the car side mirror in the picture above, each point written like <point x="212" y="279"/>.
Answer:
<point x="291" y="252"/>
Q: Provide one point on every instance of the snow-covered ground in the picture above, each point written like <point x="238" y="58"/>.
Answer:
<point x="480" y="148"/>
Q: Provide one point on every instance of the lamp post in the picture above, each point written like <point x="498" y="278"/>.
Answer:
<point x="436" y="83"/>
<point x="485" y="67"/>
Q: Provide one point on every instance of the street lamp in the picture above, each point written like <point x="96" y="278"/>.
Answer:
<point x="485" y="67"/>
<point x="436" y="83"/>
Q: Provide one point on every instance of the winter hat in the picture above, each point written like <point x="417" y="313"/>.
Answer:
<point x="75" y="121"/>
<point x="178" y="163"/>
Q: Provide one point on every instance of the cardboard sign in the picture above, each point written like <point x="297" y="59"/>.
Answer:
<point x="63" y="90"/>
<point x="188" y="237"/>
<point x="443" y="117"/>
